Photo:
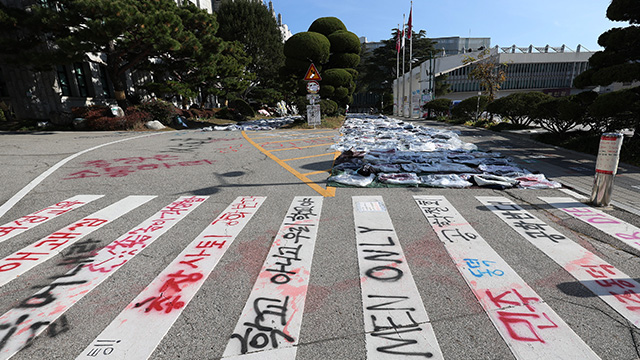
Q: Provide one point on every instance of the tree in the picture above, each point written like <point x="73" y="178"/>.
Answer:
<point x="517" y="107"/>
<point x="620" y="59"/>
<point x="205" y="64"/>
<point x="559" y="115"/>
<point x="470" y="108"/>
<point x="127" y="32"/>
<point x="617" y="110"/>
<point x="487" y="71"/>
<point x="378" y="69"/>
<point x="439" y="106"/>
<point x="250" y="23"/>
<point x="334" y="50"/>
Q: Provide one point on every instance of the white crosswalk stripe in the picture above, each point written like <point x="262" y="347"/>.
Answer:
<point x="396" y="324"/>
<point x="161" y="302"/>
<point x="508" y="300"/>
<point x="603" y="279"/>
<point x="28" y="222"/>
<point x="270" y="319"/>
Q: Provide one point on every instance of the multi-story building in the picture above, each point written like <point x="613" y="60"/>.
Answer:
<point x="455" y="45"/>
<point x="546" y="69"/>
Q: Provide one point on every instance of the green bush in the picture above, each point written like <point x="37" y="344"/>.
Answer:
<point x="159" y="110"/>
<point x="226" y="114"/>
<point x="328" y="107"/>
<point x="327" y="90"/>
<point x="308" y="46"/>
<point x="341" y="93"/>
<point x="243" y="108"/>
<point x="2" y="115"/>
<point x="438" y="105"/>
<point x="344" y="60"/>
<point x="337" y="77"/>
<point x="468" y="109"/>
<point x="327" y="25"/>
<point x="344" y="41"/>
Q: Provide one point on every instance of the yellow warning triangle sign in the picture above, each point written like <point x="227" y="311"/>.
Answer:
<point x="312" y="74"/>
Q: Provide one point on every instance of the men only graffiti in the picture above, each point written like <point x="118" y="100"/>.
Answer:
<point x="396" y="322"/>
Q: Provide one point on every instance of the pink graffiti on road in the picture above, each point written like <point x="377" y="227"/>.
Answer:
<point x="126" y="166"/>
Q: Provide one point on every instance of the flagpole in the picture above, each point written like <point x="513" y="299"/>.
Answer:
<point x="398" y="44"/>
<point x="404" y="51"/>
<point x="411" y="61"/>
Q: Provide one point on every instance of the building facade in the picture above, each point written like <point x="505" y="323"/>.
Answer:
<point x="545" y="69"/>
<point x="455" y="45"/>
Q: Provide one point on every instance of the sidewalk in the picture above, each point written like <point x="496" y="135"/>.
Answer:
<point x="574" y="170"/>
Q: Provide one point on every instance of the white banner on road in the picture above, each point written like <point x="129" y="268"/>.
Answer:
<point x="529" y="326"/>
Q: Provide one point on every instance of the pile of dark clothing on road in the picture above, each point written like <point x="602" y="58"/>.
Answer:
<point x="263" y="124"/>
<point x="385" y="152"/>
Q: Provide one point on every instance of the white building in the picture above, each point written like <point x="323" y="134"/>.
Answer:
<point x="546" y="69"/>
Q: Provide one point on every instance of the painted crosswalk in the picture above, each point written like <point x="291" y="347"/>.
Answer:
<point x="269" y="321"/>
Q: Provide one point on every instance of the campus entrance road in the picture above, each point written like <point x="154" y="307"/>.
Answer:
<point x="207" y="245"/>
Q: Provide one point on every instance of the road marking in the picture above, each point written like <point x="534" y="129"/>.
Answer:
<point x="293" y="140"/>
<point x="16" y="227"/>
<point x="301" y="147"/>
<point x="272" y="317"/>
<point x="289" y="133"/>
<point x="317" y="172"/>
<point x="160" y="304"/>
<point x="574" y="194"/>
<point x="328" y="192"/>
<point x="35" y="182"/>
<point x="396" y="323"/>
<point x="55" y="299"/>
<point x="604" y="222"/>
<point x="312" y="156"/>
<point x="37" y="253"/>
<point x="614" y="287"/>
<point x="636" y="187"/>
<point x="529" y="326"/>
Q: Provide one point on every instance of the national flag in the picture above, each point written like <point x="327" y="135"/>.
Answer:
<point x="398" y="40"/>
<point x="403" y="33"/>
<point x="409" y="31"/>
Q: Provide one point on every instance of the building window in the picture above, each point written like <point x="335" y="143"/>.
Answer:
<point x="104" y="80"/>
<point x="4" y="90"/>
<point x="63" y="80"/>
<point x="81" y="78"/>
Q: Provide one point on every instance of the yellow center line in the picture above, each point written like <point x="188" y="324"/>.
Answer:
<point x="279" y="141"/>
<point x="317" y="172"/>
<point x="328" y="192"/>
<point x="310" y="156"/>
<point x="301" y="147"/>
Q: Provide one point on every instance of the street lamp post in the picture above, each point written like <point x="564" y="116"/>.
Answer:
<point x="478" y="105"/>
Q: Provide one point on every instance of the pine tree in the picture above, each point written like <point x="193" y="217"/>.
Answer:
<point x="127" y="32"/>
<point x="252" y="25"/>
<point x="620" y="59"/>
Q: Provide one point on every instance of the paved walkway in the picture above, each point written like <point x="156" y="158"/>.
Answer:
<point x="573" y="169"/>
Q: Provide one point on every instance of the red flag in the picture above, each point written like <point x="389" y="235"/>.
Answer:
<point x="398" y="41"/>
<point x="409" y="31"/>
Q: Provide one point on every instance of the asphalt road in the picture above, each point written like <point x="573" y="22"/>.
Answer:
<point x="281" y="166"/>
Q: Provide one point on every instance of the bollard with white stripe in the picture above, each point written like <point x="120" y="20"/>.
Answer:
<point x="606" y="168"/>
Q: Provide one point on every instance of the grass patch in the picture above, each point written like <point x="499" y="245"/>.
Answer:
<point x="332" y="122"/>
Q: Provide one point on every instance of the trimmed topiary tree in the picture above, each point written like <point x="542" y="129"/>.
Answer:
<point x="308" y="46"/>
<point x="327" y="25"/>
